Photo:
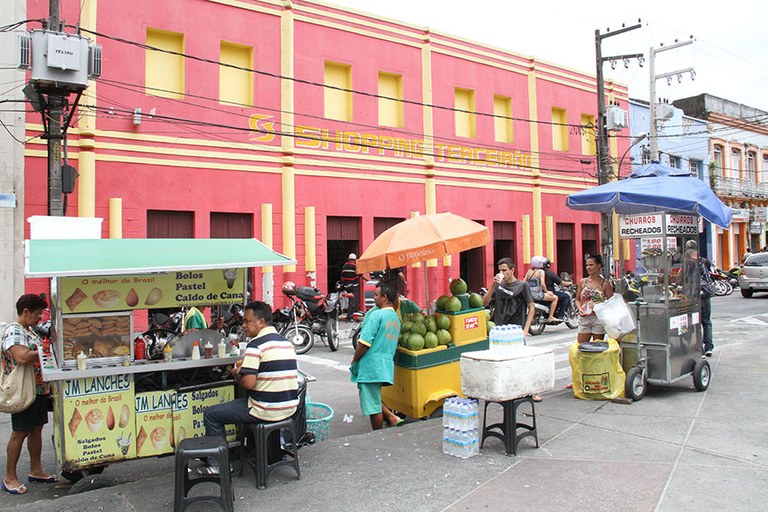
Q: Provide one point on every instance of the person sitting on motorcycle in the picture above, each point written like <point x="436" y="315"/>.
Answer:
<point x="563" y="298"/>
<point x="537" y="272"/>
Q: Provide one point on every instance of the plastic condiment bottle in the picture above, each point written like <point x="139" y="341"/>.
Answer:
<point x="140" y="349"/>
<point x="208" y="350"/>
<point x="222" y="348"/>
<point x="168" y="353"/>
<point x="196" y="350"/>
<point x="82" y="361"/>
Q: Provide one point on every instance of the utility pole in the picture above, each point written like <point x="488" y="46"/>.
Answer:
<point x="603" y="153"/>
<point x="654" y="141"/>
<point x="54" y="133"/>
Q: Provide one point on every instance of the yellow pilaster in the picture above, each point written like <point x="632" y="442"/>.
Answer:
<point x="615" y="225"/>
<point x="115" y="217"/>
<point x="415" y="214"/>
<point x="526" y="220"/>
<point x="533" y="115"/>
<point x="310" y="242"/>
<point x="430" y="193"/>
<point x="426" y="97"/>
<point x="550" y="222"/>
<point x="289" y="215"/>
<point x="287" y="143"/>
<point x="286" y="68"/>
<point x="86" y="183"/>
<point x="266" y="229"/>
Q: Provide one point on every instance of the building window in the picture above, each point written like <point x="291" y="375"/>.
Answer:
<point x="694" y="166"/>
<point x="391" y="110"/>
<point x="718" y="159"/>
<point x="588" y="143"/>
<point x="646" y="155"/>
<point x="235" y="85"/>
<point x="464" y="102"/>
<point x="674" y="161"/>
<point x="164" y="71"/>
<point x="734" y="170"/>
<point x="751" y="166"/>
<point x="559" y="130"/>
<point x="764" y="170"/>
<point x="502" y="121"/>
<point x="170" y="224"/>
<point x="338" y="103"/>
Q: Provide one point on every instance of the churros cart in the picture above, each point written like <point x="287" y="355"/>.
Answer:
<point x="659" y="209"/>
<point x="120" y="406"/>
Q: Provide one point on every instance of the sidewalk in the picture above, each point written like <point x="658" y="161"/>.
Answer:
<point x="676" y="450"/>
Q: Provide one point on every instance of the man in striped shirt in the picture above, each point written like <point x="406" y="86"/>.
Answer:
<point x="268" y="373"/>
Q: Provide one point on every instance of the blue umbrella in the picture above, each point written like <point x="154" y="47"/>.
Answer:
<point x="654" y="188"/>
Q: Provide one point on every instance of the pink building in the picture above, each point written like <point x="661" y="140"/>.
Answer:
<point x="314" y="129"/>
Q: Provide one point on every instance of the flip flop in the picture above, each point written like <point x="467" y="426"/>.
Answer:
<point x="52" y="479"/>
<point x="399" y="422"/>
<point x="21" y="489"/>
<point x="536" y="398"/>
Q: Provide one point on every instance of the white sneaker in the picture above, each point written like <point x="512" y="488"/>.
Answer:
<point x="708" y="353"/>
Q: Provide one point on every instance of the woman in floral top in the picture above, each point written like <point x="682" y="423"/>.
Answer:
<point x="592" y="289"/>
<point x="20" y="345"/>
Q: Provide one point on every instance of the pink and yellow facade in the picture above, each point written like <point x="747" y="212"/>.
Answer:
<point x="314" y="129"/>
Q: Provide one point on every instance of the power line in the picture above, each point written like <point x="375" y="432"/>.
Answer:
<point x="318" y="84"/>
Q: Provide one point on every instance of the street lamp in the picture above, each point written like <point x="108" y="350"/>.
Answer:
<point x="637" y="140"/>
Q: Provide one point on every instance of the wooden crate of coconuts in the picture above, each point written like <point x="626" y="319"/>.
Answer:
<point x="105" y="337"/>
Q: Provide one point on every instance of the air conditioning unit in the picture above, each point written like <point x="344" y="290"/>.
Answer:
<point x="59" y="60"/>
<point x="616" y="118"/>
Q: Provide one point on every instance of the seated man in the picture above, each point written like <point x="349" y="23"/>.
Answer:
<point x="269" y="373"/>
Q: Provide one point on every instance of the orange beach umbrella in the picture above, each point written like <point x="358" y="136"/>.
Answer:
<point x="422" y="238"/>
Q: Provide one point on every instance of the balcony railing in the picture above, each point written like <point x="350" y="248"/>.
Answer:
<point x="736" y="187"/>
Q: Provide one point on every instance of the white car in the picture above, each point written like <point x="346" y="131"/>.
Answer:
<point x="754" y="274"/>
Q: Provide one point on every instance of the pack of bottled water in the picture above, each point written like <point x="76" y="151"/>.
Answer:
<point x="461" y="427"/>
<point x="505" y="336"/>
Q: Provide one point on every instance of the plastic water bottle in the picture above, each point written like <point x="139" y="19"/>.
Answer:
<point x="447" y="411"/>
<point x="493" y="338"/>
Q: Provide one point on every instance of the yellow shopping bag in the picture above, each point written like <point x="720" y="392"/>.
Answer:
<point x="597" y="375"/>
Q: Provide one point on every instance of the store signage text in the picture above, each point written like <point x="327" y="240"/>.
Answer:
<point x="347" y="141"/>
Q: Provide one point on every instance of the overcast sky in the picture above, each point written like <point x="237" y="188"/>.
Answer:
<point x="729" y="54"/>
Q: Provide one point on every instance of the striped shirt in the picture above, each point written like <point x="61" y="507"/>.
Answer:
<point x="272" y="359"/>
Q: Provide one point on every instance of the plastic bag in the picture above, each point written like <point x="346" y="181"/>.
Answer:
<point x="615" y="317"/>
<point x="597" y="375"/>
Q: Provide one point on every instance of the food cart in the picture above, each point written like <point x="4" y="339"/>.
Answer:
<point x="425" y="378"/>
<point x="120" y="407"/>
<point x="660" y="208"/>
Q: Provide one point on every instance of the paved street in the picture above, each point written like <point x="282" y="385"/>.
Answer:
<point x="677" y="449"/>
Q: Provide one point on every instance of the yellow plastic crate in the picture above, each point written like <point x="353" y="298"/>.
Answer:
<point x="418" y="393"/>
<point x="467" y="326"/>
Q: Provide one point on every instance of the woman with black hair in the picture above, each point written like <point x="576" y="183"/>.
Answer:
<point x="592" y="290"/>
<point x="21" y="345"/>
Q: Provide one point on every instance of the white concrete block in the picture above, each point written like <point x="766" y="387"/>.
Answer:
<point x="501" y="375"/>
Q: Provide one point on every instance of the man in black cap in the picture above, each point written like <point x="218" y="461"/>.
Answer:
<point x="351" y="282"/>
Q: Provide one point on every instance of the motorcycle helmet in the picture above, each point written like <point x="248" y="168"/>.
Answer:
<point x="289" y="288"/>
<point x="537" y="262"/>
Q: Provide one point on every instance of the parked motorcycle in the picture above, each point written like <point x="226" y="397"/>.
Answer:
<point x="317" y="311"/>
<point x="721" y="281"/>
<point x="288" y="322"/>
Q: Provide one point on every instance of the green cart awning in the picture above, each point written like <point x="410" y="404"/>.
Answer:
<point x="114" y="256"/>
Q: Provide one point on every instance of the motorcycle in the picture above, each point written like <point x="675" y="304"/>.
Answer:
<point x="288" y="322"/>
<point x="358" y="318"/>
<point x="232" y="321"/>
<point x="317" y="311"/>
<point x="541" y="315"/>
<point x="721" y="281"/>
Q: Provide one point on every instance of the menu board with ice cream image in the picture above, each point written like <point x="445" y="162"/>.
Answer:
<point x="161" y="290"/>
<point x="154" y="423"/>
<point x="188" y="411"/>
<point x="98" y="415"/>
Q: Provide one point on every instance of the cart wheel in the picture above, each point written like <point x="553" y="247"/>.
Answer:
<point x="635" y="384"/>
<point x="76" y="476"/>
<point x="702" y="374"/>
<point x="91" y="483"/>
